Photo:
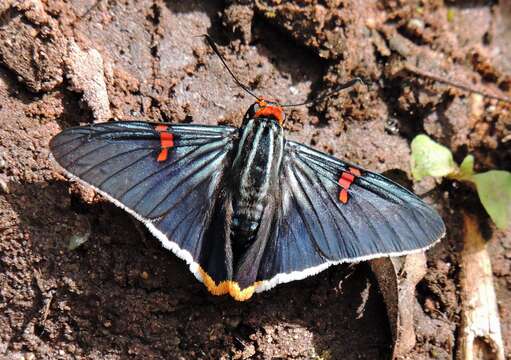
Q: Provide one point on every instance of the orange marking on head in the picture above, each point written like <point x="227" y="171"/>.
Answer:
<point x="227" y="287"/>
<point x="262" y="103"/>
<point x="271" y="111"/>
<point x="166" y="142"/>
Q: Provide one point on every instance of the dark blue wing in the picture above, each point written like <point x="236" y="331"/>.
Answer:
<point x="167" y="176"/>
<point x="317" y="226"/>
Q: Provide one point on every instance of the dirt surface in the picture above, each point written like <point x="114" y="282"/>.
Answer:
<point x="121" y="295"/>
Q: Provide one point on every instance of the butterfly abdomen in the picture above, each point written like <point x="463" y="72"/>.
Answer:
<point x="255" y="172"/>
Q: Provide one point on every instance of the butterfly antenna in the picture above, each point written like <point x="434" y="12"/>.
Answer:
<point x="217" y="52"/>
<point x="426" y="74"/>
<point x="337" y="89"/>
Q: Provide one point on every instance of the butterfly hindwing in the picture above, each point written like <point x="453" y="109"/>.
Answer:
<point x="168" y="176"/>
<point x="332" y="212"/>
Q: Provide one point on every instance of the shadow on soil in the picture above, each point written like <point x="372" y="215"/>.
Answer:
<point x="122" y="292"/>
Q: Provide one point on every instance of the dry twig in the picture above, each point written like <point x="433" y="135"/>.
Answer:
<point x="480" y="333"/>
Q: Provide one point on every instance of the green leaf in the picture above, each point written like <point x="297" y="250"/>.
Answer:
<point x="467" y="167"/>
<point x="430" y="158"/>
<point x="494" y="189"/>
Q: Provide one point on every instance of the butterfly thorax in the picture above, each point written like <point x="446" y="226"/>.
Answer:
<point x="255" y="173"/>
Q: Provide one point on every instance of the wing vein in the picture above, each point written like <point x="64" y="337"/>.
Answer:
<point x="73" y="161"/>
<point x="302" y="216"/>
<point x="114" y="157"/>
<point x="164" y="168"/>
<point x="314" y="210"/>
<point x="217" y="156"/>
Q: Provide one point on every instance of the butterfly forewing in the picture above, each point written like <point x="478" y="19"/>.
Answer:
<point x="170" y="182"/>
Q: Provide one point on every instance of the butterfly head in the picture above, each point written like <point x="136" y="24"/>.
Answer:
<point x="266" y="109"/>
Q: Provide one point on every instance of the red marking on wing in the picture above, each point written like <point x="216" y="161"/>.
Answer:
<point x="343" y="196"/>
<point x="166" y="142"/>
<point x="355" y="171"/>
<point x="347" y="178"/>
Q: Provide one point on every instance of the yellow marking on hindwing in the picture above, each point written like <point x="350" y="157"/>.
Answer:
<point x="228" y="287"/>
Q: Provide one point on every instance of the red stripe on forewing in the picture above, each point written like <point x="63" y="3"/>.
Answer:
<point x="345" y="184"/>
<point x="162" y="156"/>
<point x="347" y="178"/>
<point x="166" y="142"/>
<point x="343" y="196"/>
<point x="355" y="171"/>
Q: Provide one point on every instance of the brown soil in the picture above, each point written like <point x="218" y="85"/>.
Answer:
<point x="120" y="295"/>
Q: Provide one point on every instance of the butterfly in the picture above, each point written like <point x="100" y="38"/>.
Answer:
<point x="246" y="208"/>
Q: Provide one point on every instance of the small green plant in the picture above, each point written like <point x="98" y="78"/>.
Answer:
<point x="493" y="187"/>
